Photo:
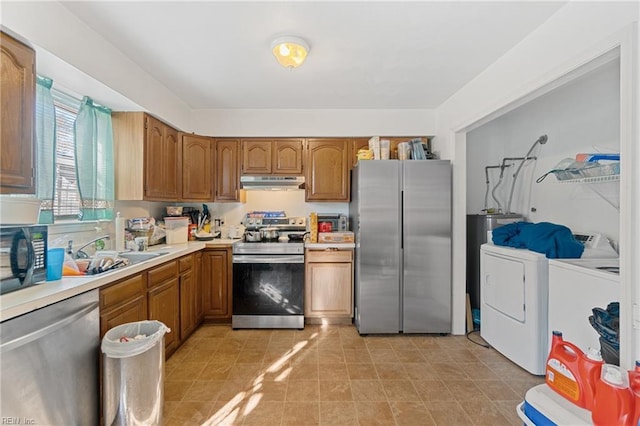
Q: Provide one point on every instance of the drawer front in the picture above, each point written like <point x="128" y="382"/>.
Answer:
<point x="329" y="256"/>
<point x="122" y="291"/>
<point x="186" y="263"/>
<point x="163" y="273"/>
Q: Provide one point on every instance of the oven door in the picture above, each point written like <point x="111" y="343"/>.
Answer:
<point x="268" y="285"/>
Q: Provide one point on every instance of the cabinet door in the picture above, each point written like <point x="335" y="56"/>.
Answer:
<point x="154" y="159"/>
<point x="188" y="320"/>
<point x="161" y="165"/>
<point x="287" y="157"/>
<point x="327" y="176"/>
<point x="328" y="290"/>
<point x="132" y="311"/>
<point x="17" y="85"/>
<point x="256" y="157"/>
<point x="197" y="277"/>
<point x="164" y="306"/>
<point x="217" y="281"/>
<point x="197" y="171"/>
<point x="129" y="137"/>
<point x="171" y="164"/>
<point x="227" y="170"/>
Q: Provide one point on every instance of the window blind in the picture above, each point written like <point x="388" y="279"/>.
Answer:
<point x="67" y="198"/>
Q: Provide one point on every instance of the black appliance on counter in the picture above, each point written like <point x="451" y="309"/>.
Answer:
<point x="268" y="277"/>
<point x="23" y="256"/>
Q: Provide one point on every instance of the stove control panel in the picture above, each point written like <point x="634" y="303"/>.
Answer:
<point x="278" y="222"/>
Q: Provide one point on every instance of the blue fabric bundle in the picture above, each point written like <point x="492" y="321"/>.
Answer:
<point x="555" y="241"/>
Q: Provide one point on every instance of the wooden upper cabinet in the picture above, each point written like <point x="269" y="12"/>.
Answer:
<point x="197" y="168"/>
<point x="153" y="159"/>
<point x="17" y="85"/>
<point x="287" y="157"/>
<point x="272" y="157"/>
<point x="256" y="157"/>
<point x="173" y="170"/>
<point x="162" y="165"/>
<point x="327" y="175"/>
<point x="147" y="158"/>
<point x="227" y="170"/>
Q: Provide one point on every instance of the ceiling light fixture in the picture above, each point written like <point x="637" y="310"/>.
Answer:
<point x="290" y="51"/>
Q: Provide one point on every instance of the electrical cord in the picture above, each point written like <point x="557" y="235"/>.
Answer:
<point x="484" y="345"/>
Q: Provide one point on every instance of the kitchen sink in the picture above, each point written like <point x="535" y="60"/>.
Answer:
<point x="140" y="256"/>
<point x="132" y="258"/>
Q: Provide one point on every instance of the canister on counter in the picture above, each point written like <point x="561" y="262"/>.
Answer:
<point x="313" y="227"/>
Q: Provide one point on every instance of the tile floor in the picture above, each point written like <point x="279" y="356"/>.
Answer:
<point x="329" y="375"/>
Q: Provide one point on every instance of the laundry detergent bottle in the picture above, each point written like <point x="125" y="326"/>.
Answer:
<point x="634" y="384"/>
<point x="572" y="373"/>
<point x="613" y="405"/>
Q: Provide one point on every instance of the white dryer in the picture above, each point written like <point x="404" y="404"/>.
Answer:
<point x="514" y="289"/>
<point x="576" y="286"/>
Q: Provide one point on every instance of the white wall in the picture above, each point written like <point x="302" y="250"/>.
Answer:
<point x="582" y="116"/>
<point x="82" y="53"/>
<point x="315" y="122"/>
<point x="573" y="36"/>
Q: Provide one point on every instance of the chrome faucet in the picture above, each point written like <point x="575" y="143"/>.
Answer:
<point x="79" y="254"/>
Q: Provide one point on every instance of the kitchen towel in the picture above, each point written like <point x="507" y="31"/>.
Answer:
<point x="555" y="241"/>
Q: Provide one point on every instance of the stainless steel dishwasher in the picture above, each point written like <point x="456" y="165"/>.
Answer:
<point x="49" y="364"/>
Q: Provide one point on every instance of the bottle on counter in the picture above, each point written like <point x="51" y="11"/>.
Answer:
<point x="313" y="227"/>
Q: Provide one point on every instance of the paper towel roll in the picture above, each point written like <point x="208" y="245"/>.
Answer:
<point x="120" y="225"/>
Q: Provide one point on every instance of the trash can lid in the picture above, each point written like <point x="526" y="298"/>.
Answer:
<point x="134" y="338"/>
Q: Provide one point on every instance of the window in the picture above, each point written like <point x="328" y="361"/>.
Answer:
<point x="66" y="201"/>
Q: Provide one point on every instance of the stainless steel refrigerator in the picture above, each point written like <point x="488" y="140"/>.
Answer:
<point x="401" y="214"/>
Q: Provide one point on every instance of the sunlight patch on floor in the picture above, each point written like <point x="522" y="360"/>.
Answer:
<point x="229" y="413"/>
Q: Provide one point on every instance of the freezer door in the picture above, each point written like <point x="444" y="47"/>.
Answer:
<point x="426" y="232"/>
<point x="375" y="213"/>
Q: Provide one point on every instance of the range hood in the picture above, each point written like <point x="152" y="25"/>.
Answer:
<point x="272" y="183"/>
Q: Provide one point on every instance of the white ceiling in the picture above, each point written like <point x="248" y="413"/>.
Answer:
<point x="363" y="54"/>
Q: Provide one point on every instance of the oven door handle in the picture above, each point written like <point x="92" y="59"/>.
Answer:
<point x="268" y="258"/>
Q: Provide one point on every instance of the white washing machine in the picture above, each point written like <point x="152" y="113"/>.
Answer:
<point x="575" y="287"/>
<point x="513" y="289"/>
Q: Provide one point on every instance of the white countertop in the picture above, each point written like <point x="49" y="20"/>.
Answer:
<point x="329" y="245"/>
<point x="48" y="292"/>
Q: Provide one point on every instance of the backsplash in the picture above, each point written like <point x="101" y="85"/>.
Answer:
<point x="79" y="233"/>
<point x="292" y="202"/>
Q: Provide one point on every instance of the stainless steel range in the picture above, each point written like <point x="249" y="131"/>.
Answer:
<point x="268" y="276"/>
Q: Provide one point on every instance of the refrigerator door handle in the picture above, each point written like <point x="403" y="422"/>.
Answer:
<point x="402" y="220"/>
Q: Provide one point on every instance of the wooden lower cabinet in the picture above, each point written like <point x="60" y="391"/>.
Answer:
<point x="188" y="297"/>
<point x="217" y="280"/>
<point x="123" y="302"/>
<point x="180" y="293"/>
<point x="164" y="301"/>
<point x="197" y="277"/>
<point x="329" y="284"/>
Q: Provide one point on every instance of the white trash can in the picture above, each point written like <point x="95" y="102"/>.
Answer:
<point x="133" y="373"/>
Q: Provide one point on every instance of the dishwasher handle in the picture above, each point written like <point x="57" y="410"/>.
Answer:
<point x="37" y="334"/>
